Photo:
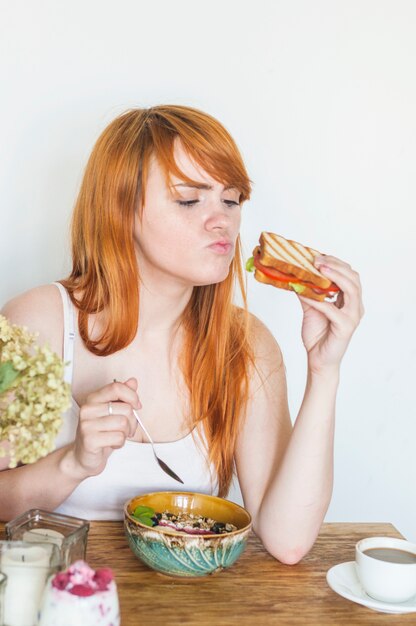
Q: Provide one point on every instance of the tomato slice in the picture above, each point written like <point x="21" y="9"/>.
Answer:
<point x="271" y="272"/>
<point x="333" y="288"/>
<point x="275" y="274"/>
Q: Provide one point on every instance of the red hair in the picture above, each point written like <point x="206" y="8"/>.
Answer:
<point x="216" y="353"/>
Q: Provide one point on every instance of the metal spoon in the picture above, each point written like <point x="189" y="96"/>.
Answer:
<point x="162" y="464"/>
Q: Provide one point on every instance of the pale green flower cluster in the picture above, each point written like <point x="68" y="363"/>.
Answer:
<point x="33" y="395"/>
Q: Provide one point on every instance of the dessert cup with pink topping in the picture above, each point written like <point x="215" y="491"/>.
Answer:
<point x="80" y="595"/>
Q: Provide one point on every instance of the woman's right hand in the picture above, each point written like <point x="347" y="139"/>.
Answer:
<point x="98" y="432"/>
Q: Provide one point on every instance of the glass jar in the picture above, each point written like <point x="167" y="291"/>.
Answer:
<point x="68" y="533"/>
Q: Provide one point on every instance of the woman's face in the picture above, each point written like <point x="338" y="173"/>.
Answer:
<point x="187" y="233"/>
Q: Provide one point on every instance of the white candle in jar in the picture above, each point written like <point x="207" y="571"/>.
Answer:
<point x="26" y="569"/>
<point x="44" y="535"/>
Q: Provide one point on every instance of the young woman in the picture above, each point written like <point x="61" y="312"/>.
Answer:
<point x="149" y="303"/>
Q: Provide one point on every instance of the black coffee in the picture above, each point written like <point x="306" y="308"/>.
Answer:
<point x="391" y="555"/>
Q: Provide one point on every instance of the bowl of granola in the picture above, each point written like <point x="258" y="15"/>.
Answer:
<point x="186" y="534"/>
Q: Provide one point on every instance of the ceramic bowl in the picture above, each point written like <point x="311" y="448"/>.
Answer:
<point x="177" y="554"/>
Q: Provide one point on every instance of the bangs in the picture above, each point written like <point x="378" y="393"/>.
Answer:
<point x="206" y="142"/>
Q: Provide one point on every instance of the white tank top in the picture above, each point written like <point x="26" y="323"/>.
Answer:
<point x="131" y="470"/>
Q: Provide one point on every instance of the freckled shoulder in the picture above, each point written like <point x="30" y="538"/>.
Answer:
<point x="40" y="310"/>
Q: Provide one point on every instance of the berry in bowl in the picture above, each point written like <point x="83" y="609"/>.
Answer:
<point x="186" y="534"/>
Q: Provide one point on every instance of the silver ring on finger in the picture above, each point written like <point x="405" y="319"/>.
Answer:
<point x="110" y="408"/>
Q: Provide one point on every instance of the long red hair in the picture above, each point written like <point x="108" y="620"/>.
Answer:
<point x="217" y="354"/>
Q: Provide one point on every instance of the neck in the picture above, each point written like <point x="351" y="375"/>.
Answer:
<point x="161" y="306"/>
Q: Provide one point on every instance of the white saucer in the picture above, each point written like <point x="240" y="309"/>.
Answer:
<point x="343" y="579"/>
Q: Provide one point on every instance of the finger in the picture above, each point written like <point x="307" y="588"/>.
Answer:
<point x="106" y="424"/>
<point x="337" y="300"/>
<point x="329" y="258"/>
<point x="327" y="308"/>
<point x="132" y="383"/>
<point x="125" y="410"/>
<point x="100" y="411"/>
<point x="107" y="439"/>
<point x="121" y="409"/>
<point x="114" y="423"/>
<point x="92" y="411"/>
<point x="340" y="317"/>
<point x="333" y="269"/>
<point x="113" y="392"/>
<point x="341" y="266"/>
<point x="351" y="288"/>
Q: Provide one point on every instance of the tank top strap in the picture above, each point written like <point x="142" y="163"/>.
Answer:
<point x="69" y="332"/>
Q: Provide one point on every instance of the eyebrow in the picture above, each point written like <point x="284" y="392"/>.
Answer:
<point x="203" y="186"/>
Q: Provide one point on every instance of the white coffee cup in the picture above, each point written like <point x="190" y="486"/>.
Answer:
<point x="382" y="579"/>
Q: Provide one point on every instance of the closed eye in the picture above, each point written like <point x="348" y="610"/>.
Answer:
<point x="187" y="202"/>
<point x="190" y="203"/>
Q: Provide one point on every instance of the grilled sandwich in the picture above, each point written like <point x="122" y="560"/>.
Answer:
<point x="287" y="264"/>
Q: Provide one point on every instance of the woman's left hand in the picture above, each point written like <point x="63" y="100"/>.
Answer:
<point x="326" y="328"/>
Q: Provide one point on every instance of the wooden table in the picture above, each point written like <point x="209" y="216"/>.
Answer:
<point x="256" y="591"/>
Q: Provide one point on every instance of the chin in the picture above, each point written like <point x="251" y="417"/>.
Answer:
<point x="213" y="279"/>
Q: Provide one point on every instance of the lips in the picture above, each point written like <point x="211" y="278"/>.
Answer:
<point x="222" y="246"/>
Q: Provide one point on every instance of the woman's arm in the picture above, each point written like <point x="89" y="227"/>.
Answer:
<point x="286" y="475"/>
<point x="49" y="481"/>
<point x="286" y="479"/>
<point x="44" y="484"/>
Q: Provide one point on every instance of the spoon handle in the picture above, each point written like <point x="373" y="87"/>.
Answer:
<point x="161" y="463"/>
<point x="136" y="415"/>
<point x="165" y="467"/>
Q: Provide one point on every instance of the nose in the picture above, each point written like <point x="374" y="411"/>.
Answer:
<point x="217" y="217"/>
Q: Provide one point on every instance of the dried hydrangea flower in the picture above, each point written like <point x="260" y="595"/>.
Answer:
<point x="33" y="395"/>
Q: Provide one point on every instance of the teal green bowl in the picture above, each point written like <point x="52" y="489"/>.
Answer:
<point x="177" y="554"/>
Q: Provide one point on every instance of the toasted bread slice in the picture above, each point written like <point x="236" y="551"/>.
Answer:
<point x="307" y="292"/>
<point x="291" y="257"/>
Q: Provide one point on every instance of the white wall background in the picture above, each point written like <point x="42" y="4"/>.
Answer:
<point x="321" y="98"/>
